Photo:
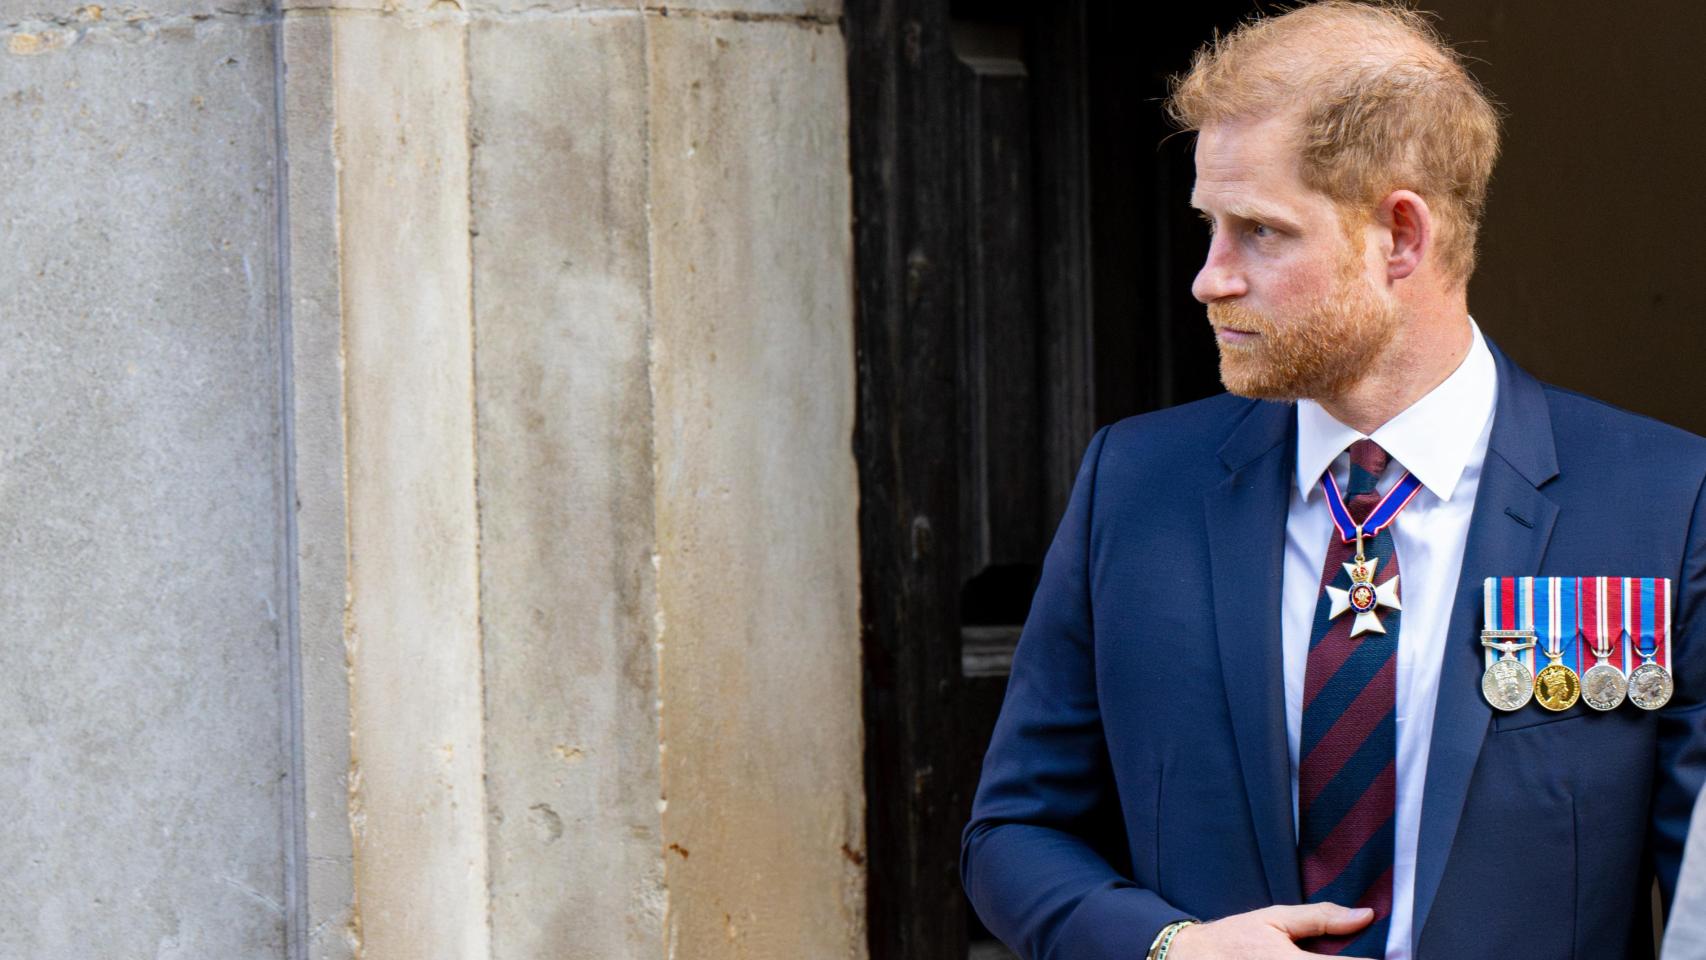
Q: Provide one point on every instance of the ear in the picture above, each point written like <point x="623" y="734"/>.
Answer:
<point x="1405" y="216"/>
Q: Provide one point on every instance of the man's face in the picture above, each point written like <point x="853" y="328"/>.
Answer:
<point x="1299" y="306"/>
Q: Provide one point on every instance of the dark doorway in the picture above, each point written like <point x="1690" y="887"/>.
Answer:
<point x="1024" y="255"/>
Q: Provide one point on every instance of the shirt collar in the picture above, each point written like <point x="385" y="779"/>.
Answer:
<point x="1433" y="438"/>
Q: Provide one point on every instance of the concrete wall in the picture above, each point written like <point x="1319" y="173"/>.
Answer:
<point x="562" y="288"/>
<point x="416" y="692"/>
<point x="315" y="420"/>
<point x="145" y="617"/>
<point x="646" y="350"/>
<point x="426" y="482"/>
<point x="757" y="537"/>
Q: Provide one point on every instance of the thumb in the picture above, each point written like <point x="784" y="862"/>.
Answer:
<point x="1320" y="919"/>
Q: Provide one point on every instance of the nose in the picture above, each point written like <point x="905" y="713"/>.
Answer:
<point x="1219" y="277"/>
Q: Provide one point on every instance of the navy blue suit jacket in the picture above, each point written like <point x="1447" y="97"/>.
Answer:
<point x="1139" y="772"/>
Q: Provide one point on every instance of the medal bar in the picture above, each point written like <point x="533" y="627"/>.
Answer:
<point x="1597" y="625"/>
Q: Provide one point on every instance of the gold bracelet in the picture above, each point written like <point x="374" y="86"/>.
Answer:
<point x="1164" y="940"/>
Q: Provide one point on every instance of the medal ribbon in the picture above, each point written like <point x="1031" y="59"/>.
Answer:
<point x="1651" y="630"/>
<point x="1553" y="605"/>
<point x="1380" y="517"/>
<point x="1605" y="617"/>
<point x="1563" y="621"/>
<point x="1548" y="607"/>
<point x="1509" y="606"/>
<point x="1637" y="619"/>
<point x="1577" y="615"/>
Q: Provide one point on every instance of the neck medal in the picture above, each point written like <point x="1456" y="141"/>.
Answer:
<point x="1556" y="686"/>
<point x="1650" y="686"/>
<point x="1365" y="596"/>
<point x="1605" y="621"/>
<point x="1508" y="683"/>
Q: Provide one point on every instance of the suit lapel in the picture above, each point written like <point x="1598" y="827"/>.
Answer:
<point x="1508" y="533"/>
<point x="1246" y="533"/>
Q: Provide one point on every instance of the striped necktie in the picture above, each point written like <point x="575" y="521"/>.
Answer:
<point x="1346" y="774"/>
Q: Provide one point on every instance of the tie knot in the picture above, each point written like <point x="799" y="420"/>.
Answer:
<point x="1368" y="462"/>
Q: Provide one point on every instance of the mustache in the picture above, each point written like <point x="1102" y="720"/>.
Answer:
<point x="1236" y="316"/>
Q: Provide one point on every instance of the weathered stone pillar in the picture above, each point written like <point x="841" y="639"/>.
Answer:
<point x="146" y="617"/>
<point x="428" y="500"/>
<point x="756" y="488"/>
<point x="563" y="341"/>
<point x="667" y="493"/>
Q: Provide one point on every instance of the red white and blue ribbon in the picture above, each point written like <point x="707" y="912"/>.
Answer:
<point x="1647" y="616"/>
<point x="1547" y="607"/>
<point x="1630" y="615"/>
<point x="1380" y="517"/>
<point x="1605" y="620"/>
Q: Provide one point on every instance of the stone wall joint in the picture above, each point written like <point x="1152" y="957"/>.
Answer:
<point x="747" y="16"/>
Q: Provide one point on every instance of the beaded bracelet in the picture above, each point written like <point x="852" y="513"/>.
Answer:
<point x="1164" y="942"/>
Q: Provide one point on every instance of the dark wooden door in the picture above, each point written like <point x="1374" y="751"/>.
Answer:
<point x="1024" y="254"/>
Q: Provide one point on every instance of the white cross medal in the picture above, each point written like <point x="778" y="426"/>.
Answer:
<point x="1366" y="597"/>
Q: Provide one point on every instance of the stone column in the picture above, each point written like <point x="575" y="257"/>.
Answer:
<point x="663" y="318"/>
<point x="756" y="489"/>
<point x="426" y="483"/>
<point x="147" y="623"/>
<point x="563" y="341"/>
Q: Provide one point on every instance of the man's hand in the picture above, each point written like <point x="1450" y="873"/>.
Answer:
<point x="1266" y="934"/>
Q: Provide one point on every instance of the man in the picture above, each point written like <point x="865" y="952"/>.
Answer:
<point x="1685" y="936"/>
<point x="1319" y="773"/>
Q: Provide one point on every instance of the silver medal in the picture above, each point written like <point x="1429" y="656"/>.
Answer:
<point x="1650" y="686"/>
<point x="1508" y="683"/>
<point x="1604" y="686"/>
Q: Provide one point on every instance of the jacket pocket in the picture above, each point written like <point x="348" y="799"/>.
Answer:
<point x="1535" y="715"/>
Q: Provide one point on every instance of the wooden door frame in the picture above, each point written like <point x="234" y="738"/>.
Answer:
<point x="910" y="217"/>
<point x="1113" y="285"/>
<point x="906" y="252"/>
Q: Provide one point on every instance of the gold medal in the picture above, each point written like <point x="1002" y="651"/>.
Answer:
<point x="1557" y="687"/>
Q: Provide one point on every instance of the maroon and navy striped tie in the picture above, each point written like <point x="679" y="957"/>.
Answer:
<point x="1346" y="773"/>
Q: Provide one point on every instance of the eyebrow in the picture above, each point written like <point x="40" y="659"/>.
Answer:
<point x="1253" y="212"/>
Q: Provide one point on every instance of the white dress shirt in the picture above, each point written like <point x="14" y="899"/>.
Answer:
<point x="1442" y="439"/>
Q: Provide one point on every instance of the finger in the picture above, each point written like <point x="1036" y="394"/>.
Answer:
<point x="1319" y="919"/>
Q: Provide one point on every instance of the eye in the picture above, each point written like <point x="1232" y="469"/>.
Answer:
<point x="1262" y="231"/>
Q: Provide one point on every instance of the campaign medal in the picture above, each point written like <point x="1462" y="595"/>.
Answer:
<point x="1507" y="683"/>
<point x="1604" y="602"/>
<point x="1651" y="686"/>
<point x="1366" y="597"/>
